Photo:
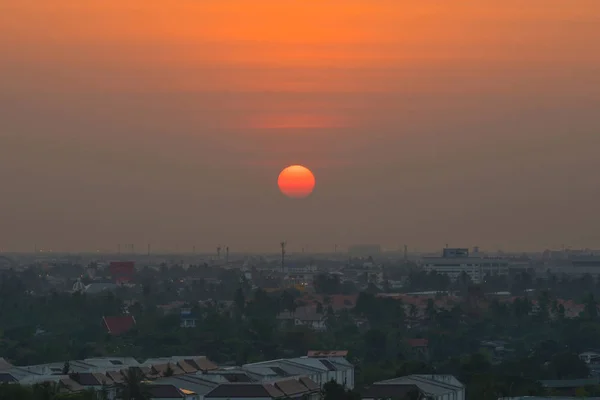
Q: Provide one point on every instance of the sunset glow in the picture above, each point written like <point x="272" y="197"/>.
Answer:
<point x="193" y="102"/>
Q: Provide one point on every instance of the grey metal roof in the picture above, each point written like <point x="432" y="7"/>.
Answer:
<point x="426" y="385"/>
<point x="570" y="383"/>
<point x="189" y="382"/>
<point x="245" y="390"/>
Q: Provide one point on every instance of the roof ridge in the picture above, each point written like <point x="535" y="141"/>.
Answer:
<point x="422" y="378"/>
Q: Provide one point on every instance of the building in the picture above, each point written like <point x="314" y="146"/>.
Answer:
<point x="576" y="265"/>
<point x="303" y="316"/>
<point x="319" y="366"/>
<point x="436" y="387"/>
<point x="187" y="319"/>
<point x="119" y="325"/>
<point x="194" y="377"/>
<point x="454" y="262"/>
<point x="122" y="271"/>
<point x="388" y="392"/>
<point x="168" y="392"/>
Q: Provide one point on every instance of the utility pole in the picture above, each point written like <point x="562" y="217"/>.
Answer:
<point x="227" y="254"/>
<point x="219" y="252"/>
<point x="405" y="254"/>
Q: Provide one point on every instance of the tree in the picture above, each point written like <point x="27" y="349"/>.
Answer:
<point x="133" y="389"/>
<point x="567" y="366"/>
<point x="45" y="391"/>
<point x="66" y="368"/>
<point x="240" y="301"/>
<point x="430" y="310"/>
<point x="319" y="308"/>
<point x="591" y="307"/>
<point x="334" y="391"/>
<point x="288" y="301"/>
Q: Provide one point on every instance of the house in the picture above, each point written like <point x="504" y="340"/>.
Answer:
<point x="302" y="388"/>
<point x="96" y="382"/>
<point x="303" y="316"/>
<point x="68" y="385"/>
<point x="4" y="365"/>
<point x="280" y="389"/>
<point x="166" y="369"/>
<point x="568" y="387"/>
<point x="6" y="377"/>
<point x="187" y="319"/>
<point x="419" y="348"/>
<point x="259" y="391"/>
<point x="589" y="357"/>
<point x="118" y="325"/>
<point x="436" y="387"/>
<point x="198" y="384"/>
<point x="388" y="392"/>
<point x="168" y="392"/>
<point x="122" y="271"/>
<point x="179" y="364"/>
<point x="327" y="353"/>
<point x="318" y="369"/>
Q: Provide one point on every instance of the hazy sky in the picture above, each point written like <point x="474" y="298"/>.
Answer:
<point x="425" y="122"/>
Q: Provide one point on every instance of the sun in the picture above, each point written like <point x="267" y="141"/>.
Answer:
<point x="296" y="181"/>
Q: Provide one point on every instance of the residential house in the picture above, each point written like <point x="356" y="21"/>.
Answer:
<point x="4" y="365"/>
<point x="187" y="319"/>
<point x="198" y="384"/>
<point x="302" y="388"/>
<point x="242" y="391"/>
<point x="436" y="387"/>
<point x="319" y="368"/>
<point x="395" y="392"/>
<point x="303" y="316"/>
<point x="97" y="382"/>
<point x="419" y="348"/>
<point x="168" y="392"/>
<point x="119" y="324"/>
<point x="568" y="387"/>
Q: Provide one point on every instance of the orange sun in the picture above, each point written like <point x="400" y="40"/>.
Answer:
<point x="296" y="181"/>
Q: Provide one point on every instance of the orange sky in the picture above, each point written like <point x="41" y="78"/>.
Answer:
<point x="402" y="108"/>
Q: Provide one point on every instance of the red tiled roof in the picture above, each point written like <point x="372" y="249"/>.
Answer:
<point x="118" y="325"/>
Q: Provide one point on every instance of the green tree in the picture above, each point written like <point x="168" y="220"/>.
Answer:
<point x="133" y="388"/>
